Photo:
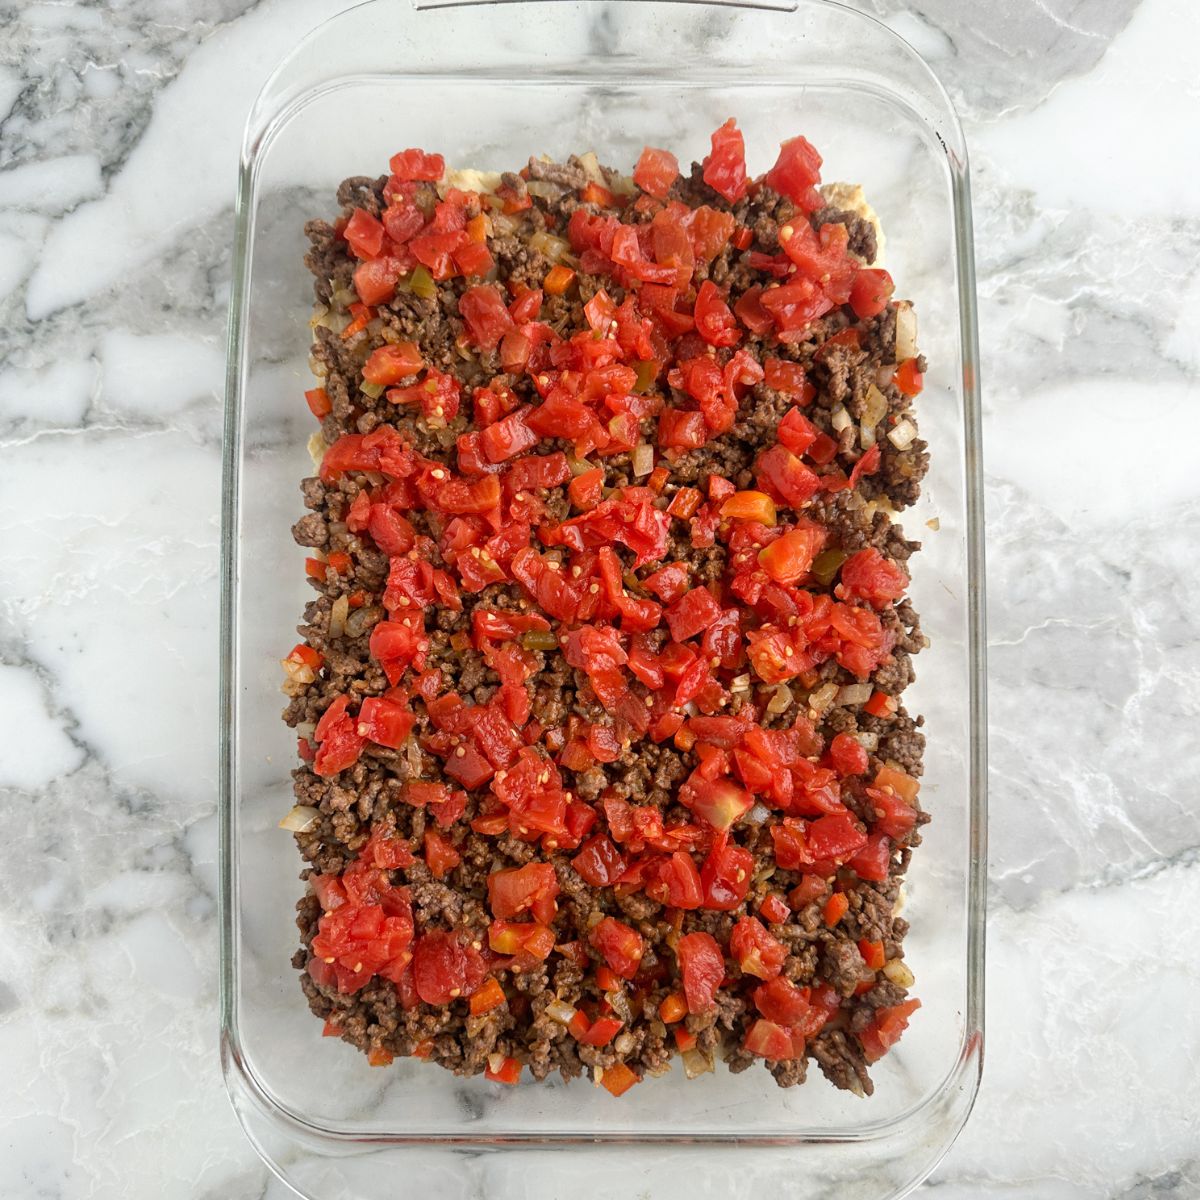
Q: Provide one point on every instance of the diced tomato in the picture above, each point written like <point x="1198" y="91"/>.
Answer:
<point x="692" y="613"/>
<point x="881" y="705"/>
<point x="848" y="755"/>
<point x="886" y="1029"/>
<point x="868" y="577"/>
<point x="758" y="952"/>
<point x="720" y="802"/>
<point x="788" y="377"/>
<point x="599" y="862"/>
<point x="769" y="1040"/>
<point x="518" y="889"/>
<point x="487" y="319"/>
<point x="445" y="966"/>
<point x="656" y="170"/>
<point x="364" y="234"/>
<point x="375" y="280"/>
<point x="725" y="166"/>
<point x="416" y="164"/>
<point x="682" y="430"/>
<point x="677" y="883"/>
<point x="715" y="321"/>
<point x="774" y="908"/>
<point x="384" y="722"/>
<point x="790" y="557"/>
<point x="874" y="859"/>
<point x="440" y="855"/>
<point x="586" y="490"/>
<point x="781" y="474"/>
<point x="870" y="292"/>
<point x="797" y="432"/>
<point x="702" y="969"/>
<point x="621" y="946"/>
<point x="750" y="311"/>
<point x="908" y="377"/>
<point x="501" y="1069"/>
<point x="781" y="1001"/>
<point x="796" y="173"/>
<point x="726" y="876"/>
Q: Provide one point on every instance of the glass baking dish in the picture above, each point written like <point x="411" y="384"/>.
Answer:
<point x="487" y="85"/>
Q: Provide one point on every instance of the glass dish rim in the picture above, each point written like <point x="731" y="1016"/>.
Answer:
<point x="241" y="1080"/>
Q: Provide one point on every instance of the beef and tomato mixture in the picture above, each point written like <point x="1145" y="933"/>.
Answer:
<point x="598" y="699"/>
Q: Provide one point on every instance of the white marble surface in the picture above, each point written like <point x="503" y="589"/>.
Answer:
<point x="119" y="126"/>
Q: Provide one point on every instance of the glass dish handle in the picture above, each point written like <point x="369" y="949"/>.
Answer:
<point x="777" y="5"/>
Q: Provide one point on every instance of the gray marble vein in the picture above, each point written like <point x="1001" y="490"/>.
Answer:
<point x="119" y="133"/>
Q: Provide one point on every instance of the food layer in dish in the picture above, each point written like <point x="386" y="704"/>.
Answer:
<point x="604" y="758"/>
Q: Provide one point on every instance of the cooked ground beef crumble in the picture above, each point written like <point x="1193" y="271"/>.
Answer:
<point x="598" y="694"/>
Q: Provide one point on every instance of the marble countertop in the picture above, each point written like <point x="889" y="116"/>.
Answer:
<point x="119" y="130"/>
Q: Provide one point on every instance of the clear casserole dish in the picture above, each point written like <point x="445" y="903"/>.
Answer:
<point x="487" y="85"/>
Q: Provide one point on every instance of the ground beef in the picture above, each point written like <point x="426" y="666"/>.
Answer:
<point x="372" y="531"/>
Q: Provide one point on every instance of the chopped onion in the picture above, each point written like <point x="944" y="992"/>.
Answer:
<point x="591" y="168"/>
<point x="875" y="408"/>
<point x="902" y="436"/>
<point x="883" y="376"/>
<point x="854" y="693"/>
<point x="337" y="616"/>
<point x="344" y="297"/>
<point x="335" y="322"/>
<point x="758" y="814"/>
<point x="413" y="753"/>
<point x="300" y="819"/>
<point x="579" y="465"/>
<point x="306" y="729"/>
<point x="374" y="390"/>
<point x="317" y="367"/>
<point x="868" y="741"/>
<point x="781" y="701"/>
<point x="317" y="445"/>
<point x="375" y="478"/>
<point x="554" y="248"/>
<point x="319" y="310"/>
<point x="560" y="1011"/>
<point x="545" y="188"/>
<point x="495" y="1063"/>
<point x="906" y="331"/>
<point x="502" y="223"/>
<point x="840" y="419"/>
<point x="297" y="672"/>
<point x="897" y="971"/>
<point x="621" y="185"/>
<point x="643" y="459"/>
<point x="740" y="683"/>
<point x="934" y="523"/>
<point x="696" y="1063"/>
<point x="823" y="698"/>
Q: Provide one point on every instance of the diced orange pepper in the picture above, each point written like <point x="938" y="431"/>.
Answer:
<point x="557" y="280"/>
<point x="673" y="1008"/>
<point x="490" y="995"/>
<point x="685" y="1039"/>
<point x="836" y="908"/>
<point x="618" y="1079"/>
<point x="872" y="953"/>
<point x="319" y="403"/>
<point x="477" y="228"/>
<point x="593" y="193"/>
